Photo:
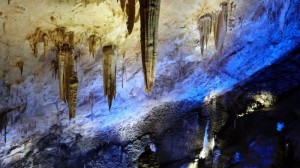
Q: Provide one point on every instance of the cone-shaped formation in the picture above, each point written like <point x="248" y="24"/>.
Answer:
<point x="72" y="87"/>
<point x="204" y="27"/>
<point x="220" y="26"/>
<point x="123" y="2"/>
<point x="129" y="5"/>
<point x="61" y="74"/>
<point x="130" y="11"/>
<point x="109" y="73"/>
<point x="68" y="82"/>
<point x="149" y="14"/>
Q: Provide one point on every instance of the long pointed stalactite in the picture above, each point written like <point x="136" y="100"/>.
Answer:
<point x="130" y="11"/>
<point x="149" y="15"/>
<point x="61" y="75"/>
<point x="109" y="73"/>
<point x="68" y="82"/>
<point x="72" y="85"/>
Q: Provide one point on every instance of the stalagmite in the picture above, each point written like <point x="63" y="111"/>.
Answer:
<point x="45" y="39"/>
<point x="109" y="73"/>
<point x="220" y="26"/>
<point x="149" y="15"/>
<point x="130" y="11"/>
<point x="204" y="27"/>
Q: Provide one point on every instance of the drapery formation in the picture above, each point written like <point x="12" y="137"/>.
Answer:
<point x="109" y="72"/>
<point x="204" y="27"/>
<point x="220" y="26"/>
<point x="216" y="22"/>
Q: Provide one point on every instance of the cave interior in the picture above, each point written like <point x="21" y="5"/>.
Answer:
<point x="150" y="83"/>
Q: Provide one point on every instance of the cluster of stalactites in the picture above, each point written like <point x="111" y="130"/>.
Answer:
<point x="204" y="27"/>
<point x="59" y="36"/>
<point x="109" y="72"/>
<point x="216" y="22"/>
<point x="68" y="82"/>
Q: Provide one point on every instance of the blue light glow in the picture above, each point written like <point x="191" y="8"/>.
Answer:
<point x="280" y="126"/>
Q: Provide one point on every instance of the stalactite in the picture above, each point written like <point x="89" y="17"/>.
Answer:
<point x="92" y="45"/>
<point x="123" y="2"/>
<point x="45" y="39"/>
<point x="130" y="11"/>
<point x="71" y="39"/>
<point x="149" y="15"/>
<point x="109" y="73"/>
<point x="54" y="67"/>
<point x="123" y="74"/>
<point x="204" y="27"/>
<point x="67" y="52"/>
<point x="220" y="25"/>
<point x="72" y="87"/>
<point x="34" y="40"/>
<point x="61" y="75"/>
<point x="68" y="82"/>
<point x="60" y="37"/>
<point x="20" y="65"/>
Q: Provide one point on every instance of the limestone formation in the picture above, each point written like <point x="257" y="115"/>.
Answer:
<point x="204" y="27"/>
<point x="130" y="11"/>
<point x="92" y="45"/>
<point x="149" y="18"/>
<point x="46" y="40"/>
<point x="109" y="73"/>
<point x="220" y="26"/>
